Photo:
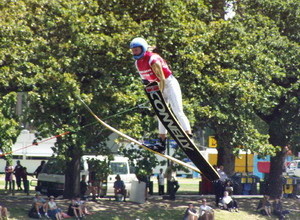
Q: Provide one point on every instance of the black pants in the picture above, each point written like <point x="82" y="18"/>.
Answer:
<point x="232" y="205"/>
<point x="161" y="189"/>
<point x="281" y="214"/>
<point x="18" y="181"/>
<point x="219" y="191"/>
<point x="8" y="184"/>
<point x="174" y="186"/>
<point x="26" y="186"/>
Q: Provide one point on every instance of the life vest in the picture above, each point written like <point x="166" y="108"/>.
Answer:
<point x="143" y="66"/>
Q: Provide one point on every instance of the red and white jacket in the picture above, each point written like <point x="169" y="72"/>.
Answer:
<point x="143" y="66"/>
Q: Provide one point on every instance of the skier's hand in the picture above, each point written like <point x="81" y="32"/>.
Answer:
<point x="145" y="82"/>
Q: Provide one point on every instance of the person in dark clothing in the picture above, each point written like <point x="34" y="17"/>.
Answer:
<point x="174" y="186"/>
<point x="219" y="191"/>
<point x="39" y="168"/>
<point x="120" y="188"/>
<point x="278" y="210"/>
<point x="264" y="206"/>
<point x="83" y="186"/>
<point x="228" y="187"/>
<point x="18" y="172"/>
<point x="24" y="178"/>
<point x="190" y="213"/>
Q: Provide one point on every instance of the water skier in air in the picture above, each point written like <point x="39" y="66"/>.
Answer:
<point x="152" y="67"/>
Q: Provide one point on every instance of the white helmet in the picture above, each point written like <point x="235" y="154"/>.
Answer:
<point x="139" y="42"/>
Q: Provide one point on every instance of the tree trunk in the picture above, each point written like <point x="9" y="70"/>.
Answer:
<point x="278" y="137"/>
<point x="72" y="177"/>
<point x="275" y="181"/>
<point x="226" y="157"/>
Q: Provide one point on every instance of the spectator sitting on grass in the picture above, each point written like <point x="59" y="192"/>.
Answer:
<point x="228" y="203"/>
<point x="38" y="207"/>
<point x="264" y="206"/>
<point x="52" y="209"/>
<point x="206" y="212"/>
<point x="75" y="209"/>
<point x="3" y="212"/>
<point x="278" y="210"/>
<point x="81" y="203"/>
<point x="190" y="213"/>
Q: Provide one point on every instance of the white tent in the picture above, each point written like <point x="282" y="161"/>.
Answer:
<point x="29" y="155"/>
<point x="24" y="146"/>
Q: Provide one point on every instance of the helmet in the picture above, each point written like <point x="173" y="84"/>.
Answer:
<point x="139" y="42"/>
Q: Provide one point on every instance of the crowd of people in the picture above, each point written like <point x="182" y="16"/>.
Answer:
<point x="19" y="174"/>
<point x="223" y="189"/>
<point x="205" y="212"/>
<point x="267" y="208"/>
<point x="50" y="209"/>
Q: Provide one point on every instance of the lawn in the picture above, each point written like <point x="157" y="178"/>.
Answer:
<point x="154" y="209"/>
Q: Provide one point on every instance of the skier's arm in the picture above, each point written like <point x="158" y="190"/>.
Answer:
<point x="157" y="69"/>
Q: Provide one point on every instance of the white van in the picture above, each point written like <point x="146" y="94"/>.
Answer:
<point x="51" y="180"/>
<point x="293" y="168"/>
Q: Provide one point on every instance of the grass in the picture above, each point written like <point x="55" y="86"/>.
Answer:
<point x="154" y="209"/>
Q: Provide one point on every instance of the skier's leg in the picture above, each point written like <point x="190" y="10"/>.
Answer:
<point x="173" y="94"/>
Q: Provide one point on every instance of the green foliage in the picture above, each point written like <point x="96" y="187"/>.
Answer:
<point x="284" y="13"/>
<point x="9" y="126"/>
<point x="101" y="168"/>
<point x="143" y="160"/>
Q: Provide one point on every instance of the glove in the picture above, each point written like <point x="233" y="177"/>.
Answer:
<point x="145" y="82"/>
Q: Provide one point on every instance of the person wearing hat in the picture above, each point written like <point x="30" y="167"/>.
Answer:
<point x="52" y="209"/>
<point x="39" y="205"/>
<point x="153" y="68"/>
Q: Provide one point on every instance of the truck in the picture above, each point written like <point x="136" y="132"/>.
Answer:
<point x="51" y="180"/>
<point x="293" y="168"/>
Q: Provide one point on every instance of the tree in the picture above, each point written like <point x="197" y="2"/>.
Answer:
<point x="283" y="115"/>
<point x="12" y="63"/>
<point x="9" y="127"/>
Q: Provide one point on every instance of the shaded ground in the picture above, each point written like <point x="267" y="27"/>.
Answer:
<point x="154" y="208"/>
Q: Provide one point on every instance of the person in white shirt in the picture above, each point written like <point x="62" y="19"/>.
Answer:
<point x="174" y="185"/>
<point x="161" y="182"/>
<point x="228" y="203"/>
<point x="206" y="212"/>
<point x="223" y="175"/>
